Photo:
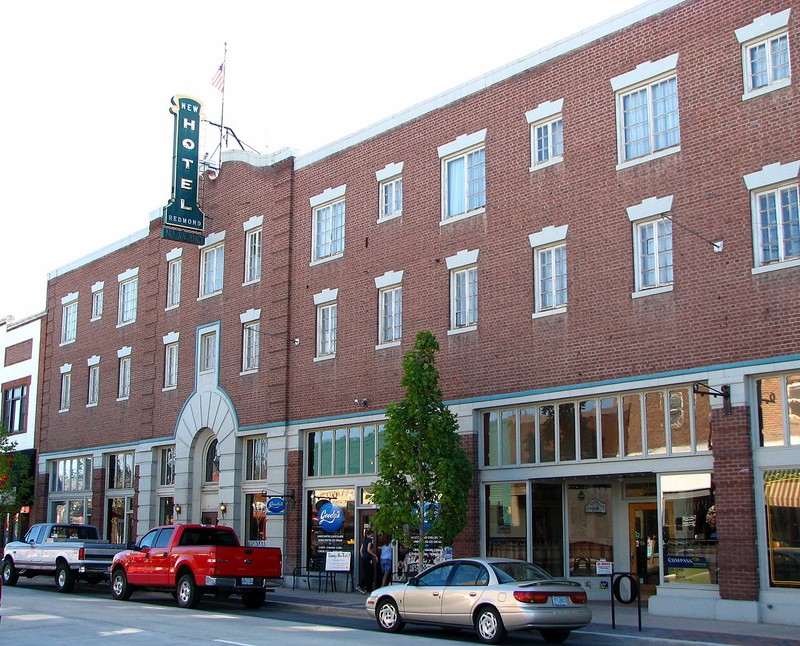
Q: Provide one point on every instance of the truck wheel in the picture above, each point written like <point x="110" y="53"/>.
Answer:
<point x="10" y="573"/>
<point x="254" y="599"/>
<point x="120" y="589"/>
<point x="188" y="594"/>
<point x="65" y="578"/>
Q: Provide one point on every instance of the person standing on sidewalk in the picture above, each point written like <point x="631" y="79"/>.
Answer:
<point x="387" y="560"/>
<point x="367" y="558"/>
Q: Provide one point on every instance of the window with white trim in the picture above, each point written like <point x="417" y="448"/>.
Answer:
<point x="647" y="110"/>
<point x="463" y="291"/>
<point x="167" y="467"/>
<point x="390" y="308"/>
<point x="327" y="315"/>
<point x="252" y="252"/>
<point x="69" y="318"/>
<point x="174" y="275"/>
<point x="66" y="387"/>
<point x="257" y="458"/>
<point x="212" y="264"/>
<point x="128" y="296"/>
<point x="547" y="134"/>
<point x="328" y="217"/>
<point x="652" y="240"/>
<point x="251" y="337"/>
<point x="171" y="365"/>
<point x="124" y="374"/>
<point x="93" y="395"/>
<point x="390" y="186"/>
<point x="765" y="54"/>
<point x="121" y="470"/>
<point x="776" y="215"/>
<point x="463" y="176"/>
<point x="208" y="351"/>
<point x="549" y="270"/>
<point x="97" y="301"/>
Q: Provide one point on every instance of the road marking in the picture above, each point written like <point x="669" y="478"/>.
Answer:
<point x="122" y="631"/>
<point x="661" y="640"/>
<point x="31" y="617"/>
<point x="225" y="641"/>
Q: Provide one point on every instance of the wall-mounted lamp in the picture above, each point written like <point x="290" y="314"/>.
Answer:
<point x="360" y="402"/>
<point x="296" y="340"/>
<point x="223" y="508"/>
<point x="177" y="510"/>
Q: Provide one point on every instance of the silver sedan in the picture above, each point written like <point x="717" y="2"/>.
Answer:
<point x="491" y="595"/>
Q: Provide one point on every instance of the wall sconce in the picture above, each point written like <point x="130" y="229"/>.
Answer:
<point x="296" y="340"/>
<point x="177" y="510"/>
<point x="360" y="402"/>
<point x="223" y="508"/>
<point x="581" y="495"/>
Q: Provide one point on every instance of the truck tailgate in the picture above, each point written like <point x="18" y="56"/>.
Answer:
<point x="248" y="562"/>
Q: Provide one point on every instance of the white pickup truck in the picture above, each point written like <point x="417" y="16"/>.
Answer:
<point x="67" y="551"/>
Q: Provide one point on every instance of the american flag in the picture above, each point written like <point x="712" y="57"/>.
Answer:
<point x="218" y="80"/>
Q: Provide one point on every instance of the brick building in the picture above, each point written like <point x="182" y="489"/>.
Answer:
<point x="604" y="238"/>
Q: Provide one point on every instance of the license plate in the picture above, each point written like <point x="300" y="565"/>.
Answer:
<point x="248" y="580"/>
<point x="560" y="601"/>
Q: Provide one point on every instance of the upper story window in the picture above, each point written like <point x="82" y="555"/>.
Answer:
<point x="647" y="111"/>
<point x="390" y="308"/>
<point x="765" y="54"/>
<point x="66" y="387"/>
<point x="120" y="470"/>
<point x="15" y="408"/>
<point x="463" y="269"/>
<point x="328" y="213"/>
<point x="167" y="467"/>
<point x="327" y="311"/>
<point x="339" y="451"/>
<point x="251" y="337"/>
<point x="463" y="176"/>
<point x="124" y="376"/>
<point x="550" y="270"/>
<point x="212" y="263"/>
<point x="71" y="474"/>
<point x="776" y="217"/>
<point x="652" y="239"/>
<point x="128" y="296"/>
<point x="170" y="360"/>
<point x="252" y="252"/>
<point x="547" y="134"/>
<point x="208" y="351"/>
<point x="390" y="183"/>
<point x="93" y="396"/>
<point x="256" y="458"/>
<point x="174" y="270"/>
<point x="97" y="301"/>
<point x="69" y="318"/>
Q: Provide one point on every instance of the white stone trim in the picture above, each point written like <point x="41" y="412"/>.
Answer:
<point x="93" y="360"/>
<point x="462" y="142"/>
<point x="326" y="296"/>
<point x="645" y="71"/>
<point x="328" y="195"/>
<point x="388" y="279"/>
<point x="250" y="315"/>
<point x="212" y="239"/>
<point x="463" y="258"/>
<point x="762" y="26"/>
<point x="174" y="254"/>
<point x="544" y="111"/>
<point x="124" y="352"/>
<point x="772" y="174"/>
<point x="389" y="171"/>
<point x="649" y="208"/>
<point x="172" y="337"/>
<point x="67" y="367"/>
<point x="72" y="296"/>
<point x="253" y="223"/>
<point x="128" y="274"/>
<point x="98" y="286"/>
<point x="548" y="236"/>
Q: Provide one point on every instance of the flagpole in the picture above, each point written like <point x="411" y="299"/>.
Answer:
<point x="222" y="111"/>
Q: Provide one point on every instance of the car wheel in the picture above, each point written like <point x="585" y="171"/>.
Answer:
<point x="65" y="578"/>
<point x="10" y="573"/>
<point x="489" y="626"/>
<point x="120" y="589"/>
<point x="188" y="594"/>
<point x="254" y="599"/>
<point x="388" y="616"/>
<point x="554" y="636"/>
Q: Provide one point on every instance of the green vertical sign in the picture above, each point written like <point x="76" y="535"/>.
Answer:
<point x="183" y="210"/>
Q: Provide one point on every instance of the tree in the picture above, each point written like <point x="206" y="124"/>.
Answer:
<point x="424" y="475"/>
<point x="16" y="483"/>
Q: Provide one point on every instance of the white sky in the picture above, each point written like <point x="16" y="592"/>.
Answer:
<point x="84" y="111"/>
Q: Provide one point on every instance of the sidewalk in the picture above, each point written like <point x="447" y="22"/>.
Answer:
<point x="655" y="629"/>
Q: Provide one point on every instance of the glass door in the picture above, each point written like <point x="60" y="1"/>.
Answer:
<point x="643" y="541"/>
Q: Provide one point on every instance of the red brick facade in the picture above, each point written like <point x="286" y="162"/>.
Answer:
<point x="719" y="321"/>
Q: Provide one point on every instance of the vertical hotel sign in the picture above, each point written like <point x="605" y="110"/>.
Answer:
<point x="183" y="219"/>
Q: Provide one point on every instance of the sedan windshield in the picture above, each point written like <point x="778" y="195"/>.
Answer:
<point x="510" y="571"/>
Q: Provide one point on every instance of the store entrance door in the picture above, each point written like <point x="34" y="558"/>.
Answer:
<point x="643" y="541"/>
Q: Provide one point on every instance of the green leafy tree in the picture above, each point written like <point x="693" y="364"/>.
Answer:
<point x="16" y="483"/>
<point x="424" y="475"/>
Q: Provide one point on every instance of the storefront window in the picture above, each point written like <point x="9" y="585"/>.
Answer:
<point x="632" y="425"/>
<point x="782" y="498"/>
<point x="548" y="528"/>
<point x="778" y="400"/>
<point x="331" y="522"/>
<point x="343" y="451"/>
<point x="166" y="510"/>
<point x="656" y="428"/>
<point x="590" y="528"/>
<point x="507" y="520"/>
<point x="71" y="511"/>
<point x="256" y="510"/>
<point x="689" y="529"/>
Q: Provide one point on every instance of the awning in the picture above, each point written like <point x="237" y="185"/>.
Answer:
<point x="784" y="492"/>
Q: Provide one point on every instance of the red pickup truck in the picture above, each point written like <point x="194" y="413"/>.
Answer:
<point x="191" y="560"/>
